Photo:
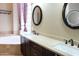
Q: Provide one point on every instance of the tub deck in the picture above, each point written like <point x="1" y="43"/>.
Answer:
<point x="10" y="45"/>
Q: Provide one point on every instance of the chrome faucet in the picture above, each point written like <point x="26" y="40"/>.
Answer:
<point x="65" y="41"/>
<point x="72" y="42"/>
<point x="34" y="32"/>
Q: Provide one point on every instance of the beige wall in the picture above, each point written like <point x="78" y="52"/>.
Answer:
<point x="52" y="23"/>
<point x="5" y="19"/>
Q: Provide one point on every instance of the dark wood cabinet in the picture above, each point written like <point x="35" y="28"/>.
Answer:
<point x="25" y="46"/>
<point x="36" y="50"/>
<point x="49" y="53"/>
<point x="29" y="48"/>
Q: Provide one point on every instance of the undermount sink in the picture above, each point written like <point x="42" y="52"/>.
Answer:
<point x="71" y="50"/>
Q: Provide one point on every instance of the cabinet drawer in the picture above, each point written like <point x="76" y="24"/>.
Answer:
<point x="50" y="53"/>
<point x="35" y="46"/>
<point x="35" y="52"/>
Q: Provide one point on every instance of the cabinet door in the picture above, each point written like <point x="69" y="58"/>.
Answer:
<point x="25" y="46"/>
<point x="36" y="50"/>
<point x="49" y="53"/>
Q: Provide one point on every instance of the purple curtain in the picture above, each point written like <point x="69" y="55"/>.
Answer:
<point x="19" y="14"/>
<point x="25" y="16"/>
<point x="22" y="11"/>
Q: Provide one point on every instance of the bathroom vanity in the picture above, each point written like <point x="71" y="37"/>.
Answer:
<point x="39" y="45"/>
<point x="30" y="48"/>
<point x="33" y="45"/>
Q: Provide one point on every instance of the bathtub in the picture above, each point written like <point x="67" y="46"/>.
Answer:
<point x="12" y="39"/>
<point x="10" y="45"/>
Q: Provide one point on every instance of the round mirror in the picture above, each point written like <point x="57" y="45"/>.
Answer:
<point x="37" y="15"/>
<point x="71" y="15"/>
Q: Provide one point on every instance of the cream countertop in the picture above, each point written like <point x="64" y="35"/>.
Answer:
<point x="46" y="42"/>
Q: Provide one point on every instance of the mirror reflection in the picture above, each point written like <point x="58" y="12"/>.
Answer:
<point x="37" y="15"/>
<point x="71" y="15"/>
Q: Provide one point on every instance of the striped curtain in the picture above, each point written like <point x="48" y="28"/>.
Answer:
<point x="22" y="14"/>
<point x="19" y="14"/>
<point x="25" y="16"/>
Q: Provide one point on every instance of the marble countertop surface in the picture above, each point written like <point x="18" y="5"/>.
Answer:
<point x="46" y="42"/>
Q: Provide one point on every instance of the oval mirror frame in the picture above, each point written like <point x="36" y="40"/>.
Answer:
<point x="37" y="15"/>
<point x="65" y="19"/>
